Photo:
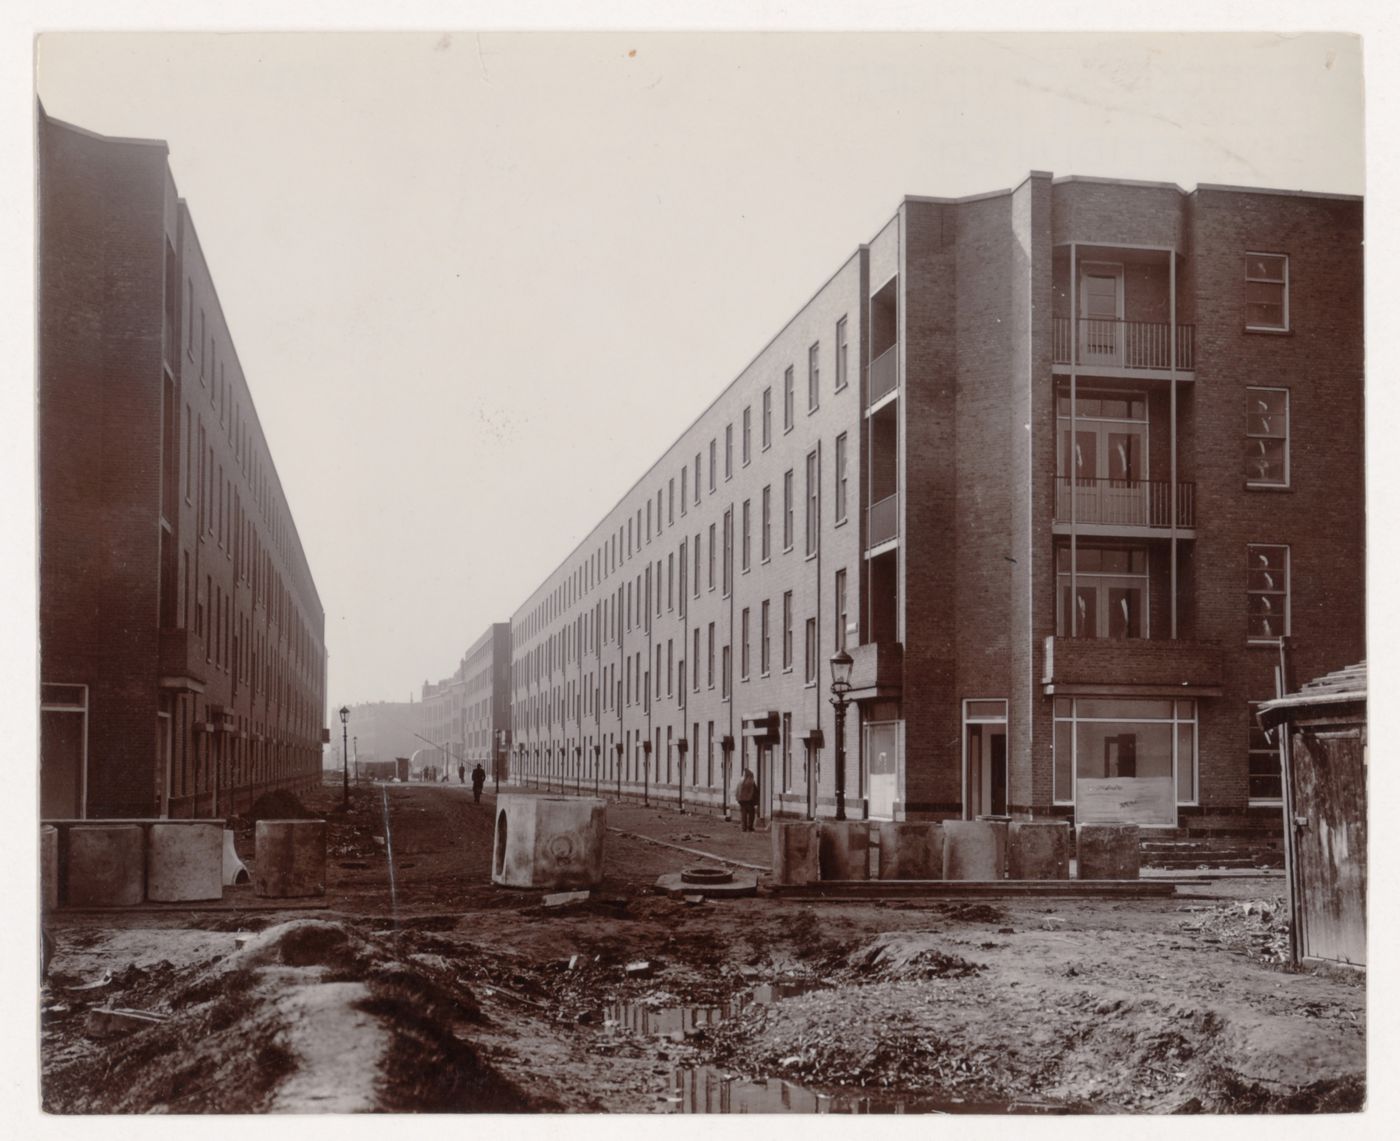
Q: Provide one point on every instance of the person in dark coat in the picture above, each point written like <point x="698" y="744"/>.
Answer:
<point x="478" y="779"/>
<point x="461" y="774"/>
<point x="747" y="796"/>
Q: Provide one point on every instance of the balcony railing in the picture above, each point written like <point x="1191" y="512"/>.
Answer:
<point x="1124" y="344"/>
<point x="883" y="522"/>
<point x="884" y="373"/>
<point x="1125" y="502"/>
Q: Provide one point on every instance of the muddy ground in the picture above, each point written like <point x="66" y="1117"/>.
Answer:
<point x="431" y="990"/>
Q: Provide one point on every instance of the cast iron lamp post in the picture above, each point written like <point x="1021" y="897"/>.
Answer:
<point x="345" y="755"/>
<point x="578" y="770"/>
<point x="597" y="764"/>
<point x="841" y="663"/>
<point x="621" y="748"/>
<point x="646" y="770"/>
<point x="682" y="747"/>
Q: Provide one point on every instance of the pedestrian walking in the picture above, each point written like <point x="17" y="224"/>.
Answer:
<point x="478" y="779"/>
<point x="747" y="796"/>
<point x="461" y="774"/>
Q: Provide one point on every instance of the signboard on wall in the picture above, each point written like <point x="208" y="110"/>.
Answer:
<point x="1147" y="801"/>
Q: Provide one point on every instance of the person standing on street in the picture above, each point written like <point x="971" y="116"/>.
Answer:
<point x="461" y="774"/>
<point x="747" y="796"/>
<point x="478" y="779"/>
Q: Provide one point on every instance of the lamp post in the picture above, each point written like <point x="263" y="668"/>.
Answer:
<point x="682" y="746"/>
<point x="646" y="770"/>
<point x="621" y="748"/>
<point x="841" y="663"/>
<point x="578" y="770"/>
<point x="345" y="756"/>
<point x="355" y="741"/>
<point x="597" y="764"/>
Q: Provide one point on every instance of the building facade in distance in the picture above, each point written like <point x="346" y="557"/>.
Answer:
<point x="1064" y="468"/>
<point x="183" y="663"/>
<point x="486" y="697"/>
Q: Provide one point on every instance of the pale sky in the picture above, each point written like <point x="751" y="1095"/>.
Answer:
<point x="479" y="282"/>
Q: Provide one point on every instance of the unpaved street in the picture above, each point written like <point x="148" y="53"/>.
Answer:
<point x="431" y="989"/>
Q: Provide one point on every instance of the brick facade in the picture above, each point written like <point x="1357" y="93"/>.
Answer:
<point x="182" y="638"/>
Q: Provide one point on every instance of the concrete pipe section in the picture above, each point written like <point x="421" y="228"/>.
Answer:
<point x="548" y="841"/>
<point x="1040" y="850"/>
<point x="106" y="865"/>
<point x="845" y="850"/>
<point x="48" y="865"/>
<point x="289" y="859"/>
<point x="974" y="850"/>
<point x="1109" y="851"/>
<point x="910" y="850"/>
<point x="184" y="862"/>
<point x="796" y="848"/>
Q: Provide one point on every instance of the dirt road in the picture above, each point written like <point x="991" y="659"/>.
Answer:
<point x="431" y="989"/>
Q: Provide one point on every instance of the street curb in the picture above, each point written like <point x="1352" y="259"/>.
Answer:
<point x="764" y="868"/>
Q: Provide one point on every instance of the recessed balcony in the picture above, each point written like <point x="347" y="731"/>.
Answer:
<point x="1105" y="347"/>
<point x="1122" y="506"/>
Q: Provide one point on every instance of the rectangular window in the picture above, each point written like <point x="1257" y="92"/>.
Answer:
<point x="765" y="535"/>
<point x="1265" y="774"/>
<point x="714" y="444"/>
<point x="787" y="510"/>
<point x="744" y="644"/>
<point x="841" y="478"/>
<point x="809" y="647"/>
<point x="695" y="662"/>
<point x="727" y="568"/>
<point x="766" y="428"/>
<point x="787" y="752"/>
<point x="696" y="587"/>
<point x="842" y="352"/>
<point x="744" y="544"/>
<point x="729" y="451"/>
<point x="1110" y="589"/>
<point x="697" y="472"/>
<point x="725" y="678"/>
<point x="1268" y="592"/>
<point x="710" y="657"/>
<point x="765" y="657"/>
<point x="671" y="580"/>
<point x="671" y="501"/>
<point x="839" y="601"/>
<point x="1266" y="437"/>
<point x="813" y="503"/>
<point x="744" y="438"/>
<point x="787" y="629"/>
<point x="1266" y="291"/>
<point x="712" y="557"/>
<point x="685" y="473"/>
<point x="670" y="665"/>
<point x="814" y="372"/>
<point x="1125" y="757"/>
<point x="787" y="399"/>
<point x="684" y="565"/>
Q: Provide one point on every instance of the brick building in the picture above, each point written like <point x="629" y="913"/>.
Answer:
<point x="1061" y="467"/>
<point x="183" y="664"/>
<point x="486" y="685"/>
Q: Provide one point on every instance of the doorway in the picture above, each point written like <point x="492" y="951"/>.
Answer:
<point x="1101" y="313"/>
<point x="985" y="777"/>
<point x="882" y="742"/>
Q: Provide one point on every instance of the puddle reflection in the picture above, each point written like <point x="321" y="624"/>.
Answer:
<point x="679" y="1021"/>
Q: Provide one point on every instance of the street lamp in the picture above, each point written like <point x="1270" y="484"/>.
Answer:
<point x="682" y="746"/>
<point x="841" y="664"/>
<point x="646" y="770"/>
<point x="597" y="764"/>
<point x="621" y="748"/>
<point x="578" y="770"/>
<point x="345" y="755"/>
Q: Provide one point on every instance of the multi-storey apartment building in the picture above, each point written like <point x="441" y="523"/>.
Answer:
<point x="441" y="714"/>
<point x="1064" y="468"/>
<point x="486" y="694"/>
<point x="182" y="639"/>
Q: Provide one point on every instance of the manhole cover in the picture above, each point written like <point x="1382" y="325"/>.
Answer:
<point x="706" y="875"/>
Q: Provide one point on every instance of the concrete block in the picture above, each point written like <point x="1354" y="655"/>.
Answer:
<point x="1109" y="851"/>
<point x="184" y="862"/>
<point x="844" y="850"/>
<point x="974" y="850"/>
<point x="48" y="865"/>
<point x="910" y="850"/>
<point x="548" y="841"/>
<point x="106" y="865"/>
<point x="1039" y="850"/>
<point x="289" y="858"/>
<point x="796" y="852"/>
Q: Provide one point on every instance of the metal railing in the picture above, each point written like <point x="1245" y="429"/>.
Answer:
<point x="884" y="373"/>
<point x="1126" y="344"/>
<point x="883" y="521"/>
<point x="1125" y="502"/>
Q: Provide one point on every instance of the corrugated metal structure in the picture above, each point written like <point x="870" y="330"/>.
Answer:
<point x="1321" y="731"/>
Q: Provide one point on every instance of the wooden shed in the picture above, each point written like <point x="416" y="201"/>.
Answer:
<point x="1321" y="731"/>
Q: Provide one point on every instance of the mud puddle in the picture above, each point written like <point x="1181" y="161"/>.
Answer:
<point x="704" y="1089"/>
<point x="678" y="1022"/>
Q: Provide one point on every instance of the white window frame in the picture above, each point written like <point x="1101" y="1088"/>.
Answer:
<point x="1287" y="592"/>
<point x="1176" y="719"/>
<point x="1287" y="437"/>
<point x="1249" y="278"/>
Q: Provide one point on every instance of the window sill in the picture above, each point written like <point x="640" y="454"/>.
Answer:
<point x="1263" y="643"/>
<point x="840" y="522"/>
<point x="1267" y="486"/>
<point x="1268" y="332"/>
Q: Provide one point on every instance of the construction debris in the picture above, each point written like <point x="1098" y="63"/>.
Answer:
<point x="565" y="898"/>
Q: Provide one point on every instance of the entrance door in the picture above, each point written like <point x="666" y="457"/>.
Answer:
<point x="1106" y="458"/>
<point x="1101" y="314"/>
<point x="882" y="760"/>
<point x="984" y="759"/>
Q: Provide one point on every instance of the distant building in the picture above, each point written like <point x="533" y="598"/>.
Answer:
<point x="442" y="717"/>
<point x="379" y="731"/>
<point x="1058" y="466"/>
<point x="486" y="715"/>
<point x="183" y="666"/>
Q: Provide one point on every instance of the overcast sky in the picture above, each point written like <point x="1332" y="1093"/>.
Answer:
<point x="478" y="282"/>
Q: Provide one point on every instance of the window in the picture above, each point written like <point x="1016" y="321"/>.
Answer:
<point x="787" y="399"/>
<point x="787" y="629"/>
<point x="841" y="613"/>
<point x="744" y="643"/>
<point x="712" y="557"/>
<point x="842" y="377"/>
<point x="697" y="470"/>
<point x="710" y="658"/>
<point x="745" y="437"/>
<point x="1148" y="741"/>
<point x="685" y="473"/>
<point x="1266" y="432"/>
<point x="765" y="658"/>
<point x="729" y="451"/>
<point x="697" y="565"/>
<point x="671" y="580"/>
<point x="841" y="478"/>
<point x="671" y="501"/>
<point x="809" y="646"/>
<point x="744" y="544"/>
<point x="787" y="752"/>
<point x="1265" y="775"/>
<point x="787" y="510"/>
<point x="813" y="504"/>
<point x="765" y="541"/>
<point x="1110" y="587"/>
<point x="695" y="660"/>
<point x="814" y="373"/>
<point x="1268" y="592"/>
<point x="1266" y="291"/>
<point x="684" y="564"/>
<point x="766" y="428"/>
<point x="727" y="567"/>
<point x="670" y="666"/>
<point x="725" y="678"/>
